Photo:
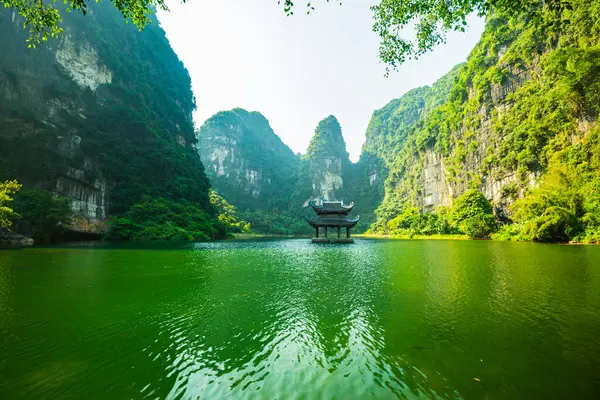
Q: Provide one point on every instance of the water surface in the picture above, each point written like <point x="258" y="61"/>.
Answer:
<point x="288" y="319"/>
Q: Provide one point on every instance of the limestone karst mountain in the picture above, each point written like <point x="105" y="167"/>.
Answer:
<point x="102" y="115"/>
<point x="521" y="113"/>
<point x="328" y="160"/>
<point x="246" y="161"/>
<point x="251" y="167"/>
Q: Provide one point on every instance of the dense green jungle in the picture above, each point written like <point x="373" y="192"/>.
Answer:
<point x="146" y="255"/>
<point x="505" y="145"/>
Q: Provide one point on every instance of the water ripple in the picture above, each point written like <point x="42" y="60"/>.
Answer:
<point x="288" y="319"/>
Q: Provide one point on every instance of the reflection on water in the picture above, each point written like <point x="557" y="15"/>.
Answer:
<point x="289" y="319"/>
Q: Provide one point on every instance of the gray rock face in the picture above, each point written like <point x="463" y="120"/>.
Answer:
<point x="245" y="160"/>
<point x="88" y="199"/>
<point x="80" y="60"/>
<point x="81" y="116"/>
<point x="10" y="240"/>
<point x="252" y="168"/>
<point x="327" y="177"/>
<point x="328" y="160"/>
<point x="218" y="153"/>
<point x="436" y="187"/>
<point x="436" y="191"/>
<point x="26" y="91"/>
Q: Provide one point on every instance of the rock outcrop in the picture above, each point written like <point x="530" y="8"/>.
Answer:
<point x="246" y="161"/>
<point x="253" y="169"/>
<point x="328" y="160"/>
<point x="524" y="101"/>
<point x="101" y="115"/>
<point x="10" y="239"/>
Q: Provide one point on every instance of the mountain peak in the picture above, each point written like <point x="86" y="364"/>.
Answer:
<point x="328" y="140"/>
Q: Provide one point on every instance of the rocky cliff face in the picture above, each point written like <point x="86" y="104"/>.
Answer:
<point x="386" y="134"/>
<point x="101" y="115"/>
<point x="327" y="160"/>
<point x="252" y="168"/>
<point x="41" y="147"/>
<point x="522" y="99"/>
<point x="245" y="160"/>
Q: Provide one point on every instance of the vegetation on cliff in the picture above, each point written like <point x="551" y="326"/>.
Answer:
<point x="388" y="129"/>
<point x="251" y="168"/>
<point x="131" y="132"/>
<point x="247" y="163"/>
<point x="470" y="215"/>
<point x="228" y="215"/>
<point x="46" y="217"/>
<point x="328" y="141"/>
<point x="524" y="105"/>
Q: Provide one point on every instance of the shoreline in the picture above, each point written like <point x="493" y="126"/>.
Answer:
<point x="418" y="237"/>
<point x="462" y="237"/>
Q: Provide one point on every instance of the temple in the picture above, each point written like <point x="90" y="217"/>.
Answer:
<point x="332" y="214"/>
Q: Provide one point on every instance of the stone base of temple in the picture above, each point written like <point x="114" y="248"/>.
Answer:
<point x="332" y="240"/>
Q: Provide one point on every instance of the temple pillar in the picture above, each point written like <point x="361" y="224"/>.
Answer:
<point x="347" y="232"/>
<point x="317" y="232"/>
<point x="339" y="232"/>
<point x="325" y="232"/>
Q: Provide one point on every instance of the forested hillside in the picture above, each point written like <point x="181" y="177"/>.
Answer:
<point x="519" y="127"/>
<point x="385" y="136"/>
<point x="506" y="143"/>
<point x="101" y="116"/>
<point x="100" y="120"/>
<point x="253" y="169"/>
<point x="270" y="186"/>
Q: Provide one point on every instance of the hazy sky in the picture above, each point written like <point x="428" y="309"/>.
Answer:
<point x="297" y="70"/>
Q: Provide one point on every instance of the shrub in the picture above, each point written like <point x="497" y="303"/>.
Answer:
<point x="49" y="215"/>
<point x="161" y="219"/>
<point x="7" y="213"/>
<point x="472" y="214"/>
<point x="227" y="214"/>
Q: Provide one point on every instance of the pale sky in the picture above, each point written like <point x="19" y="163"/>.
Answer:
<point x="297" y="70"/>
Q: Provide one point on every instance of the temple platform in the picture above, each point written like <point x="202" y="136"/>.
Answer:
<point x="332" y="240"/>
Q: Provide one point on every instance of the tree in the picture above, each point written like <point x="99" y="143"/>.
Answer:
<point x="43" y="19"/>
<point x="472" y="214"/>
<point x="162" y="219"/>
<point x="47" y="214"/>
<point x="432" y="19"/>
<point x="228" y="215"/>
<point x="550" y="211"/>
<point x="7" y="189"/>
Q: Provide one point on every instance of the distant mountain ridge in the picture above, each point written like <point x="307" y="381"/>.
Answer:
<point x="252" y="168"/>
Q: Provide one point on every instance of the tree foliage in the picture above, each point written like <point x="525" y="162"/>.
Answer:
<point x="524" y="106"/>
<point x="565" y="205"/>
<point x="472" y="214"/>
<point x="228" y="215"/>
<point x="431" y="19"/>
<point x="43" y="19"/>
<point x="162" y="219"/>
<point x="7" y="189"/>
<point x="47" y="215"/>
<point x="411" y="222"/>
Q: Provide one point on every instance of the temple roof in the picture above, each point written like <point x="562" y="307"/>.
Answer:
<point x="332" y="222"/>
<point x="331" y="207"/>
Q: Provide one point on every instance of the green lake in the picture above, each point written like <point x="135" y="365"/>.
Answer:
<point x="285" y="319"/>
